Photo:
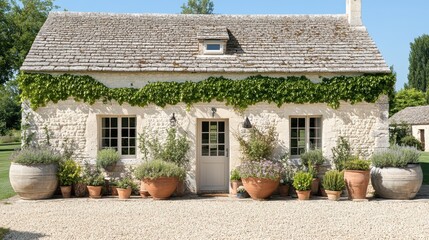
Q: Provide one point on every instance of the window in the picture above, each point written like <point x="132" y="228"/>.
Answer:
<point x="119" y="133"/>
<point x="305" y="134"/>
<point x="213" y="138"/>
<point x="214" y="47"/>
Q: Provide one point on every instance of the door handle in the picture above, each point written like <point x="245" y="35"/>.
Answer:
<point x="227" y="152"/>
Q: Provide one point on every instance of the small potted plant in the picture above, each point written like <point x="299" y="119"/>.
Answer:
<point x="124" y="187"/>
<point x="68" y="174"/>
<point x="95" y="181"/>
<point x="160" y="178"/>
<point x="241" y="192"/>
<point x="286" y="181"/>
<point x="395" y="163"/>
<point x="113" y="184"/>
<point x="313" y="158"/>
<point x="302" y="184"/>
<point x="33" y="173"/>
<point x="356" y="176"/>
<point x="107" y="159"/>
<point x="316" y="181"/>
<point x="235" y="181"/>
<point x="333" y="183"/>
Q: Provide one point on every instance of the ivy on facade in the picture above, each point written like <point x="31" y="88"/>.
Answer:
<point x="40" y="89"/>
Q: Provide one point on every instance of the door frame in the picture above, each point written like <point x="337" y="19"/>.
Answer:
<point x="198" y="152"/>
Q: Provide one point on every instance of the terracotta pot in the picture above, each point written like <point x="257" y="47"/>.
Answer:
<point x="284" y="190"/>
<point x="315" y="186"/>
<point x="124" y="193"/>
<point x="161" y="188"/>
<point x="180" y="190"/>
<point x="303" y="195"/>
<point x="234" y="185"/>
<point x="80" y="190"/>
<point x="333" y="195"/>
<point x="356" y="183"/>
<point x="94" y="191"/>
<point x="34" y="182"/>
<point x="260" y="188"/>
<point x="113" y="190"/>
<point x="397" y="183"/>
<point x="143" y="192"/>
<point x="66" y="191"/>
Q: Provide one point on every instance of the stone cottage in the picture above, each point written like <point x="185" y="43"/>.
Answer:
<point x="133" y="51"/>
<point x="418" y="119"/>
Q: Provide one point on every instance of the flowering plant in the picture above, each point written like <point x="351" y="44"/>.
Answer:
<point x="261" y="169"/>
<point x="241" y="189"/>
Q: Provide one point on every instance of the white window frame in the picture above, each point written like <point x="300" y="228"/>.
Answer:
<point x="307" y="132"/>
<point x="214" y="52"/>
<point x="119" y="137"/>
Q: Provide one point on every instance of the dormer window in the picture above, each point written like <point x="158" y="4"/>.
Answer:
<point x="214" y="47"/>
<point x="212" y="40"/>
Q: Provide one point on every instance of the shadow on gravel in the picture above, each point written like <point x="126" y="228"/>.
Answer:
<point x="12" y="234"/>
<point x="425" y="169"/>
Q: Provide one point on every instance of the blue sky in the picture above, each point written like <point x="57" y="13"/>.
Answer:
<point x="392" y="24"/>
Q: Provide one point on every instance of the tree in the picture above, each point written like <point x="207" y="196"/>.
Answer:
<point x="10" y="107"/>
<point x="418" y="76"/>
<point x="408" y="98"/>
<point x="19" y="24"/>
<point x="198" y="7"/>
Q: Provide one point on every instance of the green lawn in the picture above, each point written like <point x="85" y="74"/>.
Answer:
<point x="3" y="232"/>
<point x="424" y="162"/>
<point x="6" y="190"/>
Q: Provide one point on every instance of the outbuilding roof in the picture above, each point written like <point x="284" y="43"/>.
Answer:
<point x="412" y="115"/>
<point x="170" y="42"/>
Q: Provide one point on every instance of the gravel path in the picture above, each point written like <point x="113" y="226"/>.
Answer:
<point x="215" y="218"/>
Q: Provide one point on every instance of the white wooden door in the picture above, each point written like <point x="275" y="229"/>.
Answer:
<point x="213" y="144"/>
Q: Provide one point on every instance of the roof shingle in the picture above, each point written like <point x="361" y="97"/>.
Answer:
<point x="412" y="115"/>
<point x="164" y="42"/>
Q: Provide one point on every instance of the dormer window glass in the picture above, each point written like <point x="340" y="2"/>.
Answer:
<point x="213" y="47"/>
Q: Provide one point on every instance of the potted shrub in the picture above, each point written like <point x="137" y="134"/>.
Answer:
<point x="313" y="158"/>
<point x="175" y="150"/>
<point x="107" y="159"/>
<point x="68" y="173"/>
<point x="396" y="173"/>
<point x="286" y="181"/>
<point x="241" y="192"/>
<point x="316" y="181"/>
<point x="260" y="178"/>
<point x="94" y="181"/>
<point x="259" y="174"/>
<point x="160" y="178"/>
<point x="356" y="176"/>
<point x="33" y="173"/>
<point x="235" y="181"/>
<point x="333" y="183"/>
<point x="302" y="184"/>
<point x="124" y="187"/>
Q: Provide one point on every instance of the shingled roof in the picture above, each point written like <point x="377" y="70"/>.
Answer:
<point x="164" y="42"/>
<point x="412" y="115"/>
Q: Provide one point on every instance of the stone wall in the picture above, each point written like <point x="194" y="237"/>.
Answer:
<point x="364" y="124"/>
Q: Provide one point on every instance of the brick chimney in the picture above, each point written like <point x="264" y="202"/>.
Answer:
<point x="354" y="12"/>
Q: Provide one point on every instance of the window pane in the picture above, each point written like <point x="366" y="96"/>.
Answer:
<point x="105" y="122"/>
<point x="301" y="133"/>
<point x="205" y="138"/>
<point x="294" y="151"/>
<point x="213" y="127"/>
<point x="205" y="150"/>
<point x="132" y="151"/>
<point x="213" y="47"/>
<point x="132" y="142"/>
<point x="294" y="122"/>
<point x="294" y="143"/>
<point x="213" y="150"/>
<point x="133" y="122"/>
<point x="294" y="133"/>
<point x="221" y="137"/>
<point x="124" y="132"/>
<point x="125" y="122"/>
<point x="114" y="143"/>
<point x="205" y="126"/>
<point x="312" y="133"/>
<point x="221" y="126"/>
<point x="132" y="133"/>
<point x="105" y="133"/>
<point x="105" y="143"/>
<point x="114" y="122"/>
<point x="114" y="133"/>
<point x="124" y="142"/>
<point x="213" y="138"/>
<point x="125" y="151"/>
<point x="301" y="122"/>
<point x="221" y="151"/>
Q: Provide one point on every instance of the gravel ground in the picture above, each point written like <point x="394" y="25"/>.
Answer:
<point x="214" y="218"/>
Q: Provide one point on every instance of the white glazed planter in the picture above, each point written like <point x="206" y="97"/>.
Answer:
<point x="397" y="183"/>
<point x="34" y="182"/>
